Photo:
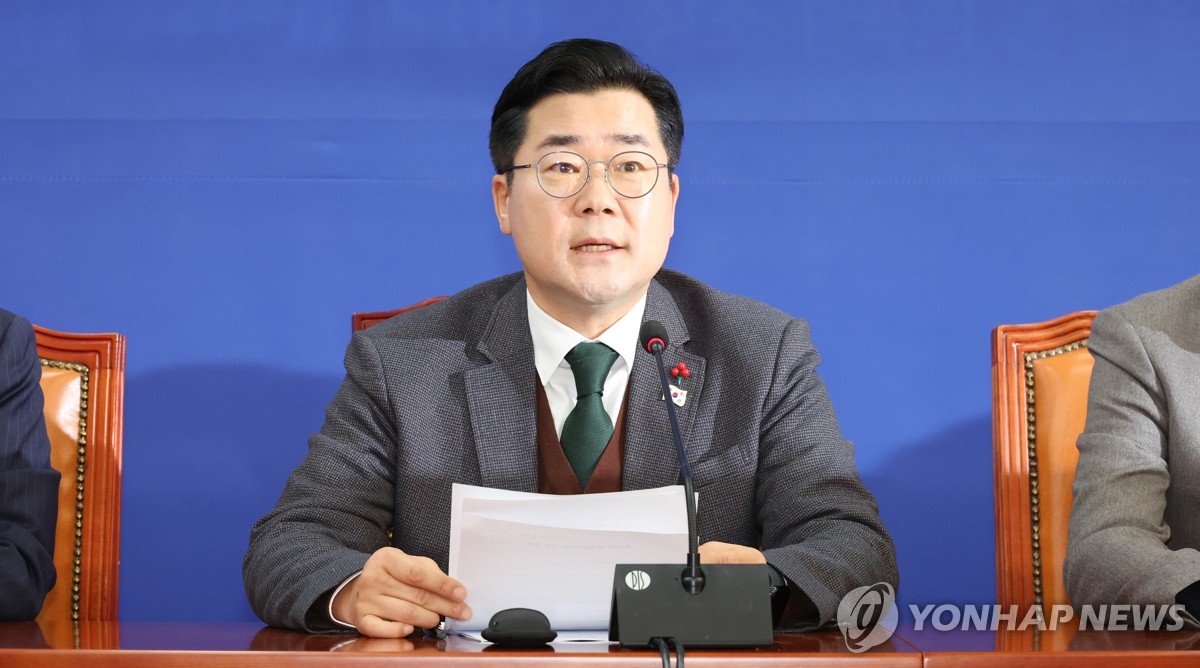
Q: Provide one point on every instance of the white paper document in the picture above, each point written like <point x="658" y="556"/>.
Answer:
<point x="556" y="553"/>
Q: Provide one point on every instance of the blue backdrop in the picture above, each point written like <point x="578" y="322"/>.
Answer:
<point x="225" y="182"/>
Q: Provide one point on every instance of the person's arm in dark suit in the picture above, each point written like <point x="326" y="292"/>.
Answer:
<point x="333" y="519"/>
<point x="320" y="531"/>
<point x="820" y="526"/>
<point x="28" y="484"/>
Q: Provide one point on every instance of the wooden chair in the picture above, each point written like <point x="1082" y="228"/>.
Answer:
<point x="83" y="381"/>
<point x="365" y="319"/>
<point x="1040" y="376"/>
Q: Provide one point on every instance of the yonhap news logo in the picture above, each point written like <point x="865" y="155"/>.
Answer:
<point x="1113" y="617"/>
<point x="867" y="616"/>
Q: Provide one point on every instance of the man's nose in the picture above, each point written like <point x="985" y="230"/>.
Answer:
<point x="597" y="195"/>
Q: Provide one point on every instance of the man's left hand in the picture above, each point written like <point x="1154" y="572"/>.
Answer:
<point x="713" y="552"/>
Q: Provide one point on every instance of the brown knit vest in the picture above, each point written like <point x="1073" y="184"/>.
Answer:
<point x="555" y="475"/>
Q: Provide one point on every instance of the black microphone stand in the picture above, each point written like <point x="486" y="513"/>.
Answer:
<point x="727" y="606"/>
<point x="693" y="575"/>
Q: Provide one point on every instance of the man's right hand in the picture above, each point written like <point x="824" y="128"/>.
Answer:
<point x="396" y="593"/>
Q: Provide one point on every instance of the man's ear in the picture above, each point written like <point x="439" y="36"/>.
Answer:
<point x="674" y="199"/>
<point x="500" y="193"/>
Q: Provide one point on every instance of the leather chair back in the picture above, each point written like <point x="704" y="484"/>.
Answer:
<point x="1040" y="377"/>
<point x="362" y="320"/>
<point x="83" y="382"/>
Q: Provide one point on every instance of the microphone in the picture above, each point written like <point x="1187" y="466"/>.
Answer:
<point x="653" y="338"/>
<point x="729" y="605"/>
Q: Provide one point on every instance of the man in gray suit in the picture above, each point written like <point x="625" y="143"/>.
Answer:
<point x="533" y="382"/>
<point x="1134" y="535"/>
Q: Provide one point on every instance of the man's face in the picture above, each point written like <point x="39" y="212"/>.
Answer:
<point x="593" y="254"/>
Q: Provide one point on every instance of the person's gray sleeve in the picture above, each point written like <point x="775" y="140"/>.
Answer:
<point x="1117" y="549"/>
<point x="336" y="509"/>
<point x="820" y="526"/>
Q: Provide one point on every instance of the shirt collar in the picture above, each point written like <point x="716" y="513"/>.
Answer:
<point x="552" y="340"/>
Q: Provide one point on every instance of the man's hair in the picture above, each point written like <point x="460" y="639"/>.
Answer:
<point x="581" y="66"/>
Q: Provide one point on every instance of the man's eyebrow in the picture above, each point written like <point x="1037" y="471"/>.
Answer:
<point x="560" y="141"/>
<point x="632" y="139"/>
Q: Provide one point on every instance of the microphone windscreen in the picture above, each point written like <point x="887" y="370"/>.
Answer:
<point x="653" y="332"/>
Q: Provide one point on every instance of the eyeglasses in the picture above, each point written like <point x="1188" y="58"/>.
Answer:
<point x="562" y="174"/>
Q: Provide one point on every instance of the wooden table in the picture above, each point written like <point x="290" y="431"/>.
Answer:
<point x="165" y="645"/>
<point x="1064" y="646"/>
<point x="246" y="645"/>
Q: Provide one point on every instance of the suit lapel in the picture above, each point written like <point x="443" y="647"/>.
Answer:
<point x="650" y="459"/>
<point x="502" y="398"/>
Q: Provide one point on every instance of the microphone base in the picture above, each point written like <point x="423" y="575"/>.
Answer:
<point x="734" y="610"/>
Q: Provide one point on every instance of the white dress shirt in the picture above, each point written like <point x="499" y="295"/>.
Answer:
<point x="552" y="340"/>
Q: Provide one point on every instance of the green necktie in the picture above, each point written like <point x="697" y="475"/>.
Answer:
<point x="586" y="432"/>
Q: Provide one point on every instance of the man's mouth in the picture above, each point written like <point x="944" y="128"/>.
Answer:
<point x="594" y="248"/>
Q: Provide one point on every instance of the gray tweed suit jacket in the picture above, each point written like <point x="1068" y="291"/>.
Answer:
<point x="447" y="394"/>
<point x="1134" y="528"/>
